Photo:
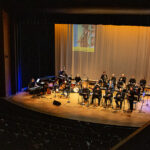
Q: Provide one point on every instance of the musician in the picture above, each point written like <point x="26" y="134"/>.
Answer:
<point x="97" y="93"/>
<point x="137" y="91"/>
<point x="33" y="88"/>
<point x="120" y="84"/>
<point x="108" y="96"/>
<point x="100" y="82"/>
<point x="110" y="84"/>
<point x="62" y="76"/>
<point x="85" y="93"/>
<point x="132" y="81"/>
<point x="143" y="83"/>
<point x="122" y="78"/>
<point x="119" y="98"/>
<point x="130" y="98"/>
<point x="32" y="83"/>
<point x="77" y="78"/>
<point x="104" y="78"/>
<point x="113" y="79"/>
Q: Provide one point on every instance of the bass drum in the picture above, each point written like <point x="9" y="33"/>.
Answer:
<point x="76" y="90"/>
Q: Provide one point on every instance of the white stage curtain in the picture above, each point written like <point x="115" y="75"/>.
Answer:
<point x="118" y="49"/>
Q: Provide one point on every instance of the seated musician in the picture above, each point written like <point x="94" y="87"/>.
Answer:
<point x="33" y="87"/>
<point x="113" y="79"/>
<point x="110" y="84"/>
<point x="32" y="83"/>
<point x="119" y="98"/>
<point x="122" y="78"/>
<point x="104" y="79"/>
<point x="132" y="80"/>
<point x="108" y="96"/>
<point x="137" y="91"/>
<point x="77" y="78"/>
<point x="120" y="83"/>
<point x="130" y="97"/>
<point x="143" y="83"/>
<point x="85" y="93"/>
<point x="97" y="93"/>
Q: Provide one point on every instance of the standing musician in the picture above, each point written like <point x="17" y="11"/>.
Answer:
<point x="130" y="98"/>
<point x="113" y="78"/>
<point x="85" y="93"/>
<point x="97" y="93"/>
<point x="142" y="84"/>
<point x="104" y="78"/>
<point x="122" y="78"/>
<point x="77" y="78"/>
<point x="62" y="76"/>
<point x="119" y="98"/>
<point x="108" y="96"/>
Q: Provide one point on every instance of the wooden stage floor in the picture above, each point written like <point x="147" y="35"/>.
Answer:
<point x="76" y="111"/>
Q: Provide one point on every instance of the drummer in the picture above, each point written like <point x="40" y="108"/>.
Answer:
<point x="77" y="78"/>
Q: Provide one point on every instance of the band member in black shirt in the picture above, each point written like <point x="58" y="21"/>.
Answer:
<point x="104" y="78"/>
<point x="120" y="84"/>
<point x="137" y="91"/>
<point x="132" y="80"/>
<point x="119" y="98"/>
<point x="32" y="83"/>
<point x="122" y="78"/>
<point x="108" y="96"/>
<point x="85" y="93"/>
<point x="130" y="98"/>
<point x="113" y="78"/>
<point x="143" y="83"/>
<point x="97" y="93"/>
<point x="62" y="76"/>
<point x="77" y="78"/>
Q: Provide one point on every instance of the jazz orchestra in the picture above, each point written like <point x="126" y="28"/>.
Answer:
<point x="114" y="90"/>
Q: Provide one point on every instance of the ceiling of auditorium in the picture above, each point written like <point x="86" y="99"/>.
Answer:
<point x="80" y="6"/>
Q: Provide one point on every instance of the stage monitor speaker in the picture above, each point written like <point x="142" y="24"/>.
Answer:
<point x="57" y="103"/>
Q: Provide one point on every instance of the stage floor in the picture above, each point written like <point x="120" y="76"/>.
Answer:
<point x="74" y="110"/>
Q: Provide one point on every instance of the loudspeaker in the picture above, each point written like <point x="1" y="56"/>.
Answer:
<point x="57" y="103"/>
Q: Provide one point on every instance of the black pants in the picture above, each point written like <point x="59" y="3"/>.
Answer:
<point x="108" y="98"/>
<point x="98" y="97"/>
<point x="119" y="100"/>
<point x="131" y="103"/>
<point x="86" y="97"/>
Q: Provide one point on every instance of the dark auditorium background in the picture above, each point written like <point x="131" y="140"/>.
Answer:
<point x="29" y="32"/>
<point x="27" y="49"/>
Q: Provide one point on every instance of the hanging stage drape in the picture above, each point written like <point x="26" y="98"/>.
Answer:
<point x="116" y="49"/>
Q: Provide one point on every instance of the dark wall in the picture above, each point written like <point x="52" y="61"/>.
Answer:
<point x="2" y="67"/>
<point x="35" y="51"/>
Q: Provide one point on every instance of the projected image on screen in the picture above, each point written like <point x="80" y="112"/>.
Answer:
<point x="84" y="38"/>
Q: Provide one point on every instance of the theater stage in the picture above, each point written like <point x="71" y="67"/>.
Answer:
<point x="74" y="110"/>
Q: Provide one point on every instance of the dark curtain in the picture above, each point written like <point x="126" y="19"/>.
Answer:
<point x="34" y="52"/>
<point x="2" y="67"/>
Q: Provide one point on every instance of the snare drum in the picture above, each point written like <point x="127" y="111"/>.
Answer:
<point x="76" y="90"/>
